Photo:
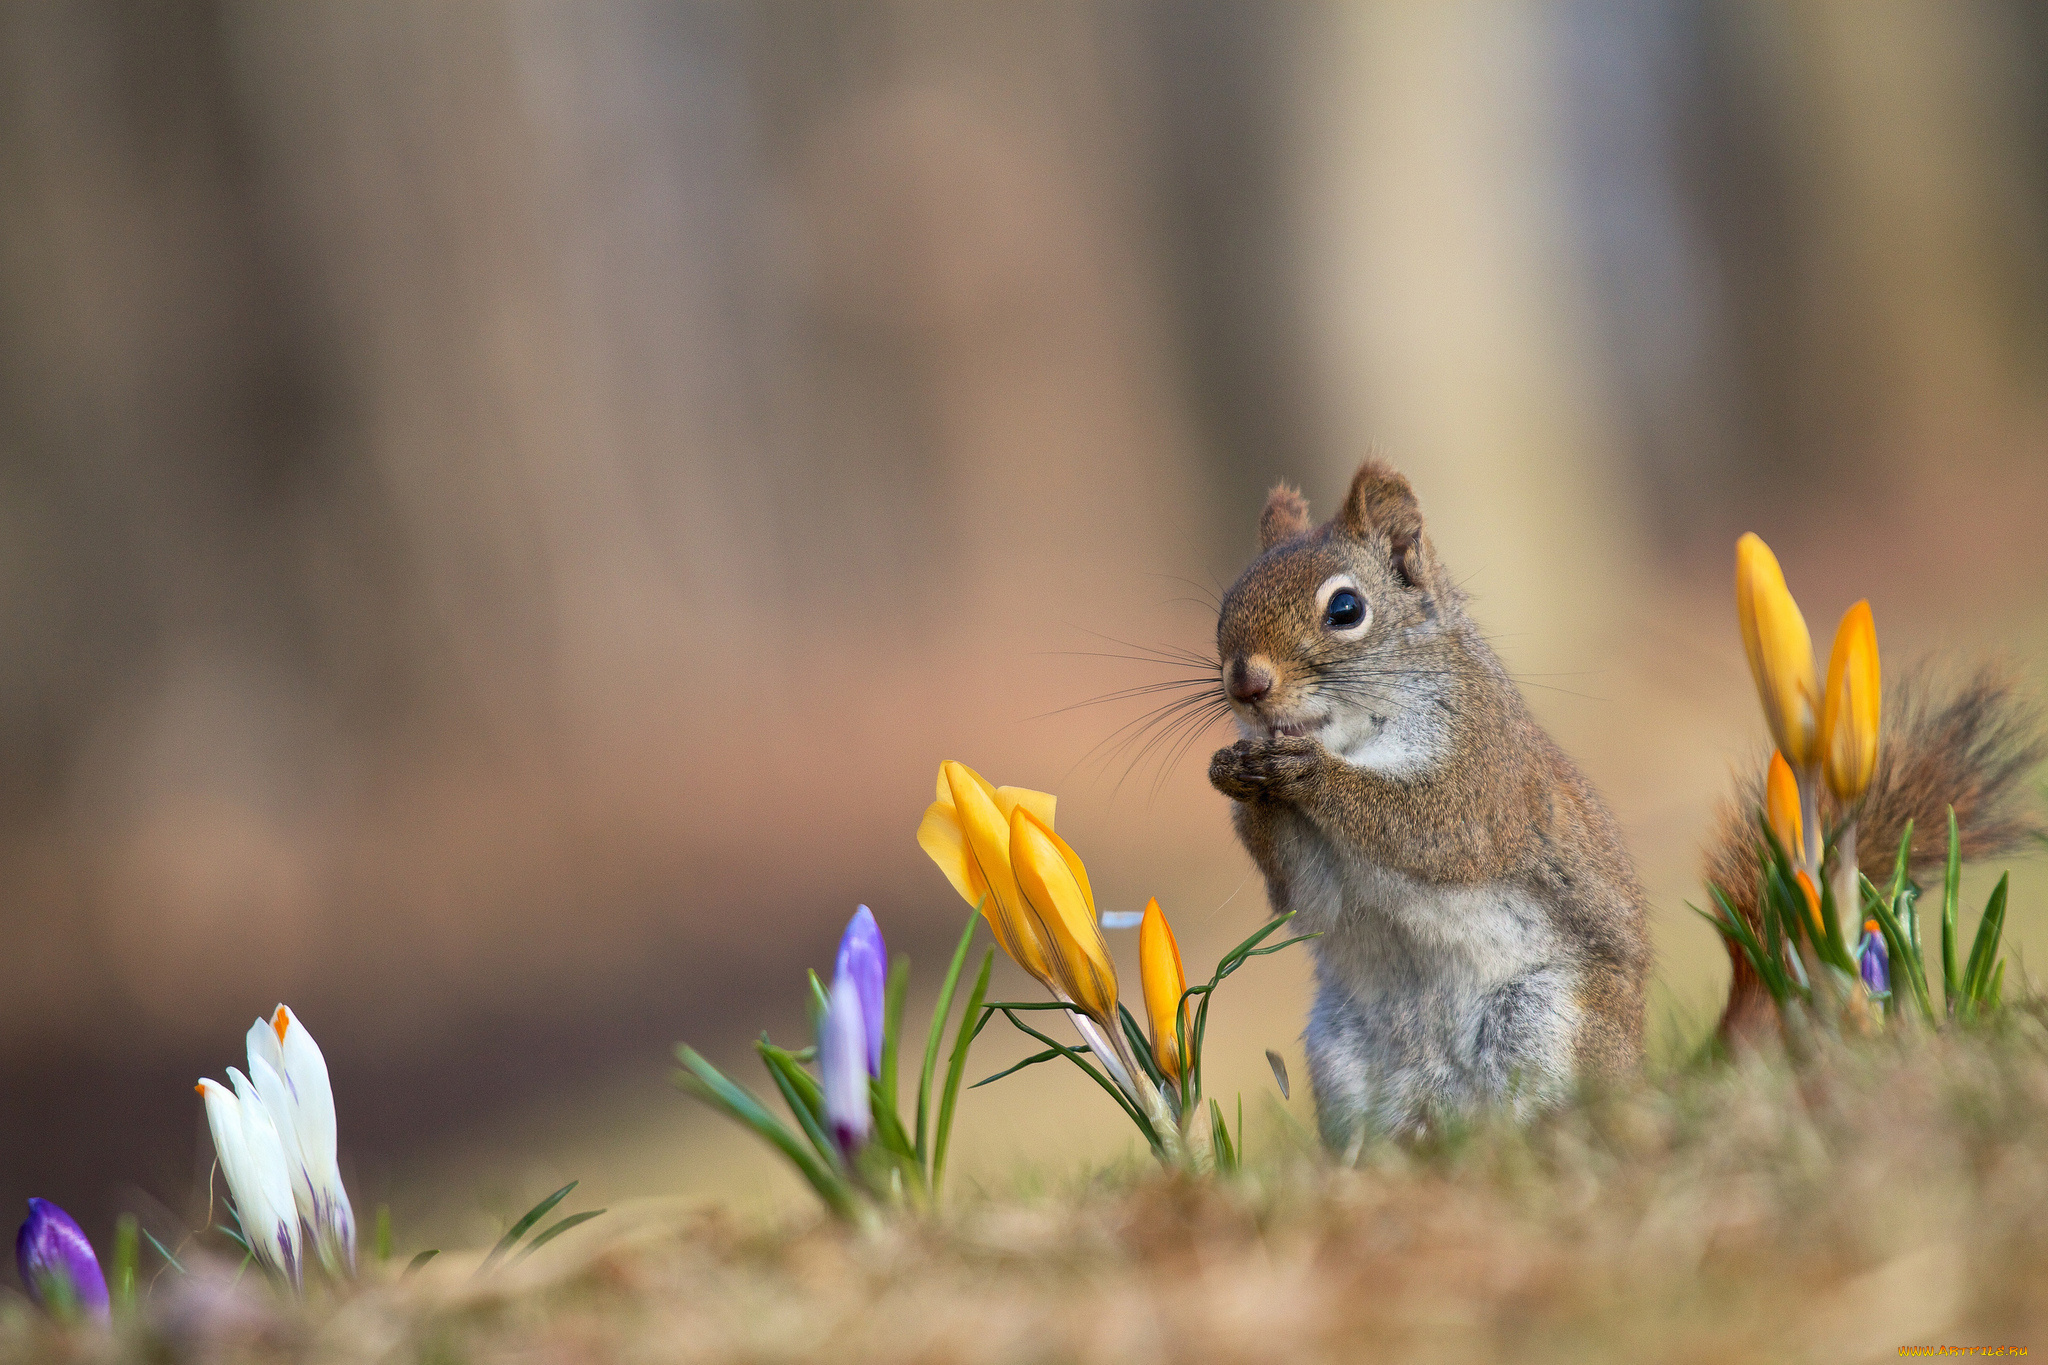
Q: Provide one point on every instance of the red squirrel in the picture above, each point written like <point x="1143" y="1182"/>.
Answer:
<point x="1481" y="927"/>
<point x="1482" y="936"/>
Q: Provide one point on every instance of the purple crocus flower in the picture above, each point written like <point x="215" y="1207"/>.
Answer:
<point x="51" y="1246"/>
<point x="864" y="960"/>
<point x="842" y="1052"/>
<point x="1876" y="961"/>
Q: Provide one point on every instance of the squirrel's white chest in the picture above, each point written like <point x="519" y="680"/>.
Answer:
<point x="1385" y="930"/>
<point x="1429" y="996"/>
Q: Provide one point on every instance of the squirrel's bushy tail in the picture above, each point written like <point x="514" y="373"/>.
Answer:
<point x="1970" y="745"/>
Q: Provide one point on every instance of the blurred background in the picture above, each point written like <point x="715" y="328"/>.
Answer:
<point x="504" y="507"/>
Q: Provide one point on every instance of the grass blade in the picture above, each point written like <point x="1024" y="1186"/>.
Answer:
<point x="553" y="1232"/>
<point x="937" y="1036"/>
<point x="1951" y="905"/>
<point x="416" y="1262"/>
<point x="1141" y="1048"/>
<point x="519" y="1229"/>
<point x="163" y="1251"/>
<point x="950" y="1095"/>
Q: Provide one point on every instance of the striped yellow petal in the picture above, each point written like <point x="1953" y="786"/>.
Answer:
<point x="1064" y="910"/>
<point x="986" y="836"/>
<point x="1781" y="807"/>
<point x="1849" y="712"/>
<point x="1164" y="980"/>
<point x="1780" y="650"/>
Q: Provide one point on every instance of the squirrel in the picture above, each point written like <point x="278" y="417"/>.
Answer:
<point x="1482" y="935"/>
<point x="1966" y="743"/>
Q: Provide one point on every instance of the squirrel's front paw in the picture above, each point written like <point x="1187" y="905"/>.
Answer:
<point x="1252" y="768"/>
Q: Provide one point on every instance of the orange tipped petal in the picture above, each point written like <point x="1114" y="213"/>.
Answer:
<point x="1159" y="968"/>
<point x="1057" y="900"/>
<point x="1780" y="651"/>
<point x="1850" y="712"/>
<point x="1812" y="900"/>
<point x="1781" y="807"/>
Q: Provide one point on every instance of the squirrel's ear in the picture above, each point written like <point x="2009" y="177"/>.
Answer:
<point x="1382" y="504"/>
<point x="1285" y="517"/>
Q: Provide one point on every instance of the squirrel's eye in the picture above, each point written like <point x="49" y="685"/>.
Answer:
<point x="1345" y="610"/>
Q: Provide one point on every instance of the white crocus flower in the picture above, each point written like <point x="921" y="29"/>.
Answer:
<point x="291" y="1076"/>
<point x="253" y="1160"/>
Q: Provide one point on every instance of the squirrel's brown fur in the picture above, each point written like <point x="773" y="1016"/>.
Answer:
<point x="1969" y="745"/>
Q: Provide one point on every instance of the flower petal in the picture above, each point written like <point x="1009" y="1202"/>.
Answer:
<point x="1159" y="969"/>
<point x="987" y="835"/>
<point x="1780" y="650"/>
<point x="842" y="1066"/>
<point x="1851" y="709"/>
<point x="1781" y="807"/>
<point x="864" y="959"/>
<point x="1062" y="907"/>
<point x="51" y="1246"/>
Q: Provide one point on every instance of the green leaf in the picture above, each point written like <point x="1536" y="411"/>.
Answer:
<point x="1033" y="1060"/>
<point x="127" y="1252"/>
<point x="707" y="1083"/>
<point x="1901" y="865"/>
<point x="416" y="1262"/>
<point x="232" y="1235"/>
<point x="799" y="1090"/>
<point x="519" y="1229"/>
<point x="1951" y="905"/>
<point x="821" y="999"/>
<point x="380" y="1239"/>
<point x="1141" y="1048"/>
<point x="1905" y="960"/>
<point x="1998" y="986"/>
<point x="892" y="1035"/>
<point x="551" y="1233"/>
<point x="1219" y="1137"/>
<point x="937" y="1035"/>
<point x="1984" y="950"/>
<point x="955" y="1067"/>
<point x="1109" y="1087"/>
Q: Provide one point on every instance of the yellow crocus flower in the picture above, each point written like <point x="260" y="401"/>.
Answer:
<point x="1165" y="982"/>
<point x="1849" y="713"/>
<point x="1781" y="807"/>
<point x="1062" y="905"/>
<point x="1780" y="652"/>
<point x="967" y="833"/>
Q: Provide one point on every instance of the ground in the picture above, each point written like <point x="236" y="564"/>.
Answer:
<point x="1890" y="1193"/>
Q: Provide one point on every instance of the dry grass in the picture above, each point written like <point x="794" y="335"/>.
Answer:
<point x="1895" y="1194"/>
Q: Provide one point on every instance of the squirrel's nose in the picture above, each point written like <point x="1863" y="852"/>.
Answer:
<point x="1250" y="679"/>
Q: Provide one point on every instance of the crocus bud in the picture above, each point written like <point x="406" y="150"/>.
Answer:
<point x="864" y="960"/>
<point x="1876" y="962"/>
<point x="1781" y="807"/>
<point x="1056" y="893"/>
<point x="967" y="833"/>
<point x="842" y="1067"/>
<point x="1849" y="712"/>
<point x="299" y="1099"/>
<point x="56" y="1262"/>
<point x="1160" y="970"/>
<point x="253" y="1161"/>
<point x="1780" y="650"/>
